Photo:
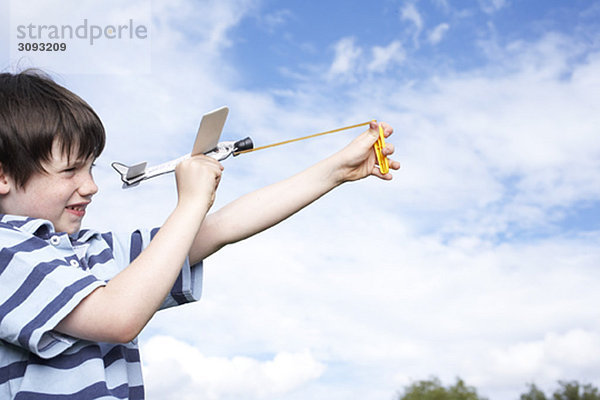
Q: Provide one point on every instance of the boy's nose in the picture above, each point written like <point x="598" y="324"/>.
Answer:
<point x="88" y="187"/>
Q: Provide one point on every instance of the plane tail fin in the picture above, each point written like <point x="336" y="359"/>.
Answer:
<point x="130" y="174"/>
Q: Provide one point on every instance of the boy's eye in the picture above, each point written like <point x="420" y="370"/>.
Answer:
<point x="78" y="165"/>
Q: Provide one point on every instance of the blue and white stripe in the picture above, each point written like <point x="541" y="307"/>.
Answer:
<point x="43" y="276"/>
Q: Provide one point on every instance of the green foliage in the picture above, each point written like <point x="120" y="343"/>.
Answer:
<point x="533" y="394"/>
<point x="433" y="390"/>
<point x="574" y="391"/>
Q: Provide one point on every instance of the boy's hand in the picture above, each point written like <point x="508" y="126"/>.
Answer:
<point x="357" y="160"/>
<point x="197" y="180"/>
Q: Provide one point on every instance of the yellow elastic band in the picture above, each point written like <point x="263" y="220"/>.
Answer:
<point x="302" y="138"/>
<point x="378" y="146"/>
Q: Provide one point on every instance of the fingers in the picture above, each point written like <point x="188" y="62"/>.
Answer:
<point x="387" y="129"/>
<point x="201" y="160"/>
<point x="393" y="164"/>
<point x="372" y="134"/>
<point x="388" y="150"/>
<point x="377" y="172"/>
<point x="198" y="176"/>
<point x="198" y="166"/>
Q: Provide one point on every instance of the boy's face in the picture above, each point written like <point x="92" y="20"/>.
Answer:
<point x="61" y="195"/>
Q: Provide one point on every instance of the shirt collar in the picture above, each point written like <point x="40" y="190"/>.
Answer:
<point x="42" y="228"/>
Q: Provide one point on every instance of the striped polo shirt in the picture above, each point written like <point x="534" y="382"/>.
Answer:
<point x="43" y="276"/>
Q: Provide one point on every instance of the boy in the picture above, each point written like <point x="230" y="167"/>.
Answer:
<point x="73" y="301"/>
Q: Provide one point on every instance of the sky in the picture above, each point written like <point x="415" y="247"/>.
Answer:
<point x="479" y="260"/>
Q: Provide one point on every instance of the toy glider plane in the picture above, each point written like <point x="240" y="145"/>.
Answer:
<point x="207" y="143"/>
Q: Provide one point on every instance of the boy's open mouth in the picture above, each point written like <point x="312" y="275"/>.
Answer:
<point x="77" y="209"/>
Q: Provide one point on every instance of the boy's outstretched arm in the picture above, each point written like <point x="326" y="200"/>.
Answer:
<point x="270" y="205"/>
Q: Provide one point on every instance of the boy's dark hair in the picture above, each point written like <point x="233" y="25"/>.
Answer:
<point x="34" y="111"/>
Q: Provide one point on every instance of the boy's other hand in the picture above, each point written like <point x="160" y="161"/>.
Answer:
<point x="358" y="159"/>
<point x="197" y="180"/>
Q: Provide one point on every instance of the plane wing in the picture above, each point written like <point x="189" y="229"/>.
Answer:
<point x="209" y="131"/>
<point x="207" y="142"/>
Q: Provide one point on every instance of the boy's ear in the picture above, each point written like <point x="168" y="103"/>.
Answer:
<point x="5" y="181"/>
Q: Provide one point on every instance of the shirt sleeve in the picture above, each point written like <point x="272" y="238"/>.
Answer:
<point x="188" y="286"/>
<point x="38" y="288"/>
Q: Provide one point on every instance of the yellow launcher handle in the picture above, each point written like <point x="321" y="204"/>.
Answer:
<point x="383" y="162"/>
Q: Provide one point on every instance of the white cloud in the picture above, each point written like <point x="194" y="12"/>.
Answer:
<point x="442" y="4"/>
<point x="349" y="63"/>
<point x="276" y="19"/>
<point x="395" y="305"/>
<point x="175" y="369"/>
<point x="208" y="21"/>
<point x="491" y="6"/>
<point x="572" y="355"/>
<point x="385" y="57"/>
<point x="409" y="12"/>
<point x="346" y="57"/>
<point x="437" y="34"/>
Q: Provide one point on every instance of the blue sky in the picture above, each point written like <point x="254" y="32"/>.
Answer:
<point x="300" y="35"/>
<point x="479" y="260"/>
